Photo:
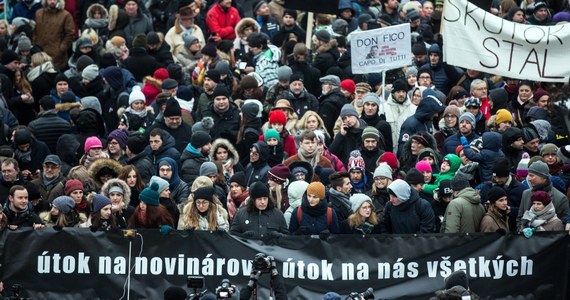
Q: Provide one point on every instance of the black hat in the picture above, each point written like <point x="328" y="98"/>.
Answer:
<point x="68" y="97"/>
<point x="250" y="110"/>
<point x="256" y="39"/>
<point x="444" y="189"/>
<point x="61" y="77"/>
<point x="457" y="278"/>
<point x="9" y="56"/>
<point x="205" y="192"/>
<point x="152" y="38"/>
<point x="419" y="49"/>
<point x="501" y="167"/>
<point x="137" y="143"/>
<point x="172" y="108"/>
<point x="323" y="35"/>
<point x="169" y="84"/>
<point x="290" y="12"/>
<point x="296" y="77"/>
<point x="200" y="139"/>
<point x="414" y="177"/>
<point x="22" y="136"/>
<point x="239" y="178"/>
<point x="258" y="189"/>
<point x="214" y="75"/>
<point x="459" y="182"/>
<point x="221" y="90"/>
<point x="399" y="85"/>
<point x="496" y="193"/>
<point x="257" y="5"/>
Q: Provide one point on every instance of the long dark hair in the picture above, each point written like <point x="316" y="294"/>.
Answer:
<point x="124" y="174"/>
<point x="155" y="217"/>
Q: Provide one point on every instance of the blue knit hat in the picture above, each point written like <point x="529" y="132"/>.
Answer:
<point x="150" y="195"/>
<point x="100" y="201"/>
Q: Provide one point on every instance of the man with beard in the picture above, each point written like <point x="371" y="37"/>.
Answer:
<point x="289" y="27"/>
<point x="173" y="123"/>
<point x="350" y="135"/>
<point x="430" y="107"/>
<point x="466" y="126"/>
<point x="308" y="152"/>
<point x="513" y="144"/>
<point x="226" y="115"/>
<point x="339" y="195"/>
<point x="211" y="81"/>
<point x="195" y="154"/>
<point x="397" y="108"/>
<point x="51" y="182"/>
<point x="371" y="106"/>
<point x="299" y="97"/>
<point x="18" y="211"/>
<point x="54" y="31"/>
<point x="10" y="177"/>
<point x="370" y="149"/>
<point x="331" y="101"/>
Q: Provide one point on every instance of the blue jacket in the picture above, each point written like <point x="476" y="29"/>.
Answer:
<point x="452" y="141"/>
<point x="314" y="219"/>
<point x="492" y="142"/>
<point x="412" y="216"/>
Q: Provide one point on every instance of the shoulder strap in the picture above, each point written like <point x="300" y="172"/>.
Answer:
<point x="461" y="79"/>
<point x="299" y="215"/>
<point x="329" y="216"/>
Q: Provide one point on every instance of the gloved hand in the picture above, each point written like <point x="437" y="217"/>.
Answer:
<point x="528" y="232"/>
<point x="165" y="229"/>
<point x="253" y="278"/>
<point x="464" y="142"/>
<point x="273" y="266"/>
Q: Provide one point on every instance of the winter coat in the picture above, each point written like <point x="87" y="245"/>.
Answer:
<point x="558" y="199"/>
<point x="444" y="76"/>
<point x="26" y="218"/>
<point x="166" y="150"/>
<point x="140" y="63"/>
<point x="412" y="216"/>
<point x="126" y="211"/>
<point x="191" y="160"/>
<point x="174" y="38"/>
<point x="66" y="149"/>
<point x="311" y="75"/>
<point x="283" y="34"/>
<point x="452" y="141"/>
<point x="439" y="208"/>
<point x="101" y="26"/>
<point x="385" y="143"/>
<point x="486" y="158"/>
<point x="143" y="164"/>
<point x="408" y="160"/>
<point x="54" y="32"/>
<point x="21" y="9"/>
<point x="141" y="23"/>
<point x="269" y="26"/>
<point x="330" y="106"/>
<point x="42" y="79"/>
<point x="221" y="221"/>
<point x="455" y="163"/>
<point x="151" y="88"/>
<point x="222" y="22"/>
<point x="181" y="135"/>
<point x="396" y="114"/>
<point x="342" y="145"/>
<point x="55" y="189"/>
<point x="235" y="166"/>
<point x="179" y="190"/>
<point x="494" y="221"/>
<point x="301" y="103"/>
<point x="162" y="55"/>
<point x="514" y="191"/>
<point x="256" y="223"/>
<point x="313" y="220"/>
<point x="421" y="120"/>
<point x="39" y="151"/>
<point x="226" y="125"/>
<point x="340" y="203"/>
<point x="266" y="65"/>
<point x="188" y="60"/>
<point x="464" y="213"/>
<point x="327" y="57"/>
<point x="48" y="127"/>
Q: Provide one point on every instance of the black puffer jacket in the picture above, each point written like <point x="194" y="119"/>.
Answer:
<point x="48" y="127"/>
<point x="330" y="107"/>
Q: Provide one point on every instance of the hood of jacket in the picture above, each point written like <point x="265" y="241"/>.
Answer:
<point x="330" y="47"/>
<point x="434" y="48"/>
<point x="174" y="178"/>
<point x="422" y="153"/>
<point x="89" y="122"/>
<point x="246" y="22"/>
<point x="411" y="203"/>
<point x="96" y="166"/>
<point x="59" y="5"/>
<point x="492" y="141"/>
<point x="232" y="152"/>
<point x="90" y="13"/>
<point x="120" y="183"/>
<point x="470" y="195"/>
<point x="454" y="161"/>
<point x="66" y="148"/>
<point x="429" y="106"/>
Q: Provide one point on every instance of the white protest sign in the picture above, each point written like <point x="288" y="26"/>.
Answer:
<point x="476" y="39"/>
<point x="381" y="49"/>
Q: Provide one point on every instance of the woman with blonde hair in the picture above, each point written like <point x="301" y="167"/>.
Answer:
<point x="202" y="213"/>
<point x="311" y="121"/>
<point x="41" y="75"/>
<point x="363" y="220"/>
<point x="62" y="213"/>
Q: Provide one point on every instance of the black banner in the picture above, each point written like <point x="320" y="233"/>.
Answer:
<point x="79" y="264"/>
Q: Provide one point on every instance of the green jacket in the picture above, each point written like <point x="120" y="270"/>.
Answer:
<point x="464" y="213"/>
<point x="455" y="163"/>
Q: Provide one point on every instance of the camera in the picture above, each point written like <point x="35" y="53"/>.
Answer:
<point x="225" y="290"/>
<point x="16" y="290"/>
<point x="261" y="263"/>
<point x="195" y="282"/>
<point x="368" y="294"/>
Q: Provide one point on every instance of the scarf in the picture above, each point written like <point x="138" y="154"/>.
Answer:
<point x="220" y="112"/>
<point x="228" y="165"/>
<point x="96" y="23"/>
<point x="22" y="156"/>
<point x="312" y="159"/>
<point x="141" y="114"/>
<point x="536" y="219"/>
<point x="241" y="198"/>
<point x="314" y="211"/>
<point x="35" y="72"/>
<point x="48" y="183"/>
<point x="81" y="206"/>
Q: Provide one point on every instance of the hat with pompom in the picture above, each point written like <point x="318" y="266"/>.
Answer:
<point x="356" y="162"/>
<point x="136" y="94"/>
<point x="150" y="195"/>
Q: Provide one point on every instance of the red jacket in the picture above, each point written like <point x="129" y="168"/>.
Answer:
<point x="221" y="22"/>
<point x="288" y="144"/>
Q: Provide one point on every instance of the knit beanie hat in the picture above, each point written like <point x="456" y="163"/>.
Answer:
<point x="60" y="77"/>
<point x="538" y="93"/>
<point x="83" y="61"/>
<point x="259" y="105"/>
<point x="137" y="143"/>
<point x="423" y="166"/>
<point x="444" y="189"/>
<point x="135" y="95"/>
<point x="200" y="139"/>
<point x="371" y="98"/>
<point x="539" y="168"/>
<point x="205" y="125"/>
<point x="223" y="67"/>
<point x="411" y="71"/>
<point x="22" y="136"/>
<point x="172" y="108"/>
<point x="284" y="73"/>
<point x="383" y="170"/>
<point x="250" y="110"/>
<point x="549" y="149"/>
<point x="459" y="182"/>
<point x="271" y="133"/>
<point x="400" y="189"/>
<point x="399" y="85"/>
<point x="188" y="39"/>
<point x="9" y="56"/>
<point x="502" y="116"/>
<point x="363" y="86"/>
<point x="469" y="117"/>
<point x="64" y="204"/>
<point x="541" y="196"/>
<point x="323" y="35"/>
<point x="317" y="189"/>
<point x="452" y="110"/>
<point x="522" y="167"/>
<point x="221" y="91"/>
<point x="92" y="142"/>
<point x="413" y="176"/>
<point x="356" y="162"/>
<point x="90" y="72"/>
<point x="391" y="159"/>
<point x="419" y="48"/>
<point x="73" y="185"/>
<point x="68" y="97"/>
<point x="162" y="183"/>
<point x="24" y="43"/>
<point x="296" y="190"/>
<point x="529" y="134"/>
<point x="496" y="193"/>
<point x="457" y="278"/>
<point x="501" y="167"/>
<point x="278" y="173"/>
<point x="152" y="38"/>
<point x="239" y="178"/>
<point x="332" y="295"/>
<point x="100" y="201"/>
<point x="357" y="200"/>
<point x="371" y="132"/>
<point x="348" y="110"/>
<point x="348" y="85"/>
<point x="258" y="189"/>
<point x="472" y="102"/>
<point x="213" y="74"/>
<point x="205" y="193"/>
<point x="120" y="135"/>
<point x="564" y="154"/>
<point x="140" y="40"/>
<point x="150" y="195"/>
<point x="277" y="117"/>
<point x="208" y="168"/>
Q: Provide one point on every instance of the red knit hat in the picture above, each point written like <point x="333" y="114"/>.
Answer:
<point x="458" y="149"/>
<point x="279" y="173"/>
<point x="348" y="84"/>
<point x="541" y="196"/>
<point x="278" y="117"/>
<point x="73" y="185"/>
<point x="161" y="74"/>
<point x="390" y="159"/>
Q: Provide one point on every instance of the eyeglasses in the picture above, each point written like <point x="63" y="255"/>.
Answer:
<point x="50" y="166"/>
<point x="424" y="77"/>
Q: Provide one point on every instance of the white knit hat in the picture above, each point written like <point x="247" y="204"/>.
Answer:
<point x="136" y="94"/>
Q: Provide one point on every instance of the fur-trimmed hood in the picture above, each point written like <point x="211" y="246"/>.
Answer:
<point x="245" y="22"/>
<point x="91" y="8"/>
<point x="60" y="4"/>
<point x="118" y="18"/>
<point x="101" y="163"/>
<point x="123" y="110"/>
<point x="117" y="182"/>
<point x="328" y="46"/>
<point x="232" y="152"/>
<point x="67" y="106"/>
<point x="155" y="82"/>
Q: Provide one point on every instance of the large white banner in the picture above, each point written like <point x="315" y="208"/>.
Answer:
<point x="380" y="49"/>
<point x="476" y="39"/>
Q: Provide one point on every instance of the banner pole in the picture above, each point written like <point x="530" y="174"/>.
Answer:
<point x="383" y="84"/>
<point x="129" y="274"/>
<point x="308" y="38"/>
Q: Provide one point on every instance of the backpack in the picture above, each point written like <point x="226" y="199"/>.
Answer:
<point x="329" y="216"/>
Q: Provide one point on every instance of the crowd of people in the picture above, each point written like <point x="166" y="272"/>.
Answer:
<point x="215" y="115"/>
